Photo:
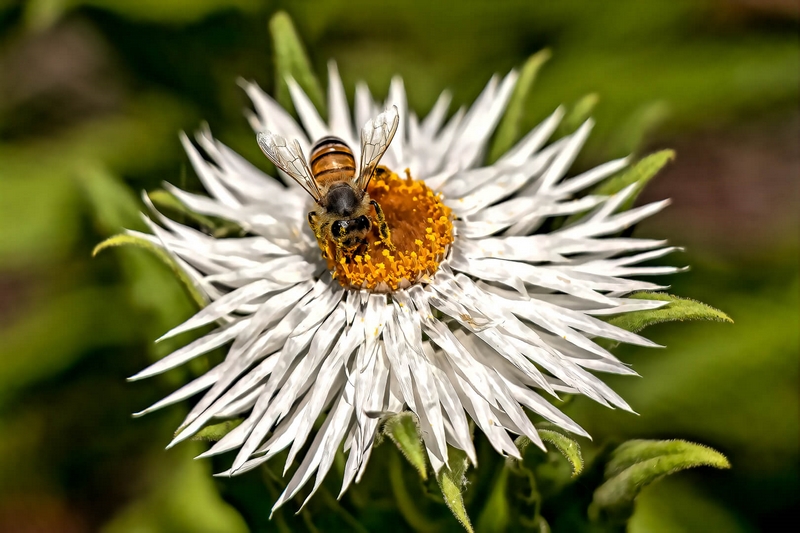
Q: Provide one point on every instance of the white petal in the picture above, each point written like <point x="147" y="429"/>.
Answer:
<point x="227" y="304"/>
<point x="452" y="405"/>
<point x="434" y="120"/>
<point x="534" y="140"/>
<point x="366" y="108"/>
<point x="339" y="121"/>
<point x="187" y="391"/>
<point x="272" y="116"/>
<point x="207" y="176"/>
<point x="590" y="177"/>
<point x="320" y="456"/>
<point x="194" y="349"/>
<point x="397" y="97"/>
<point x="312" y="122"/>
<point x="480" y="121"/>
<point x="565" y="158"/>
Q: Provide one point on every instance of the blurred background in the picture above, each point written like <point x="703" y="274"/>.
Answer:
<point x="93" y="94"/>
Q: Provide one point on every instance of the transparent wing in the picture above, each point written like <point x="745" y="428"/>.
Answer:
<point x="290" y="159"/>
<point x="376" y="135"/>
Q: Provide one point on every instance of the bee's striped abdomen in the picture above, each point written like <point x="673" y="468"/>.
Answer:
<point x="332" y="160"/>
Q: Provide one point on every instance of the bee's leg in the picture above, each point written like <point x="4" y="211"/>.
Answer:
<point x="312" y="222"/>
<point x="383" y="227"/>
<point x="317" y="229"/>
<point x="333" y="252"/>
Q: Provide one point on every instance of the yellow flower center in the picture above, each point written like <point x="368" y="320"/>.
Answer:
<point x="421" y="232"/>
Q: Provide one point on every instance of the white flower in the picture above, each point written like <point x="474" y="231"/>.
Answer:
<point x="503" y="315"/>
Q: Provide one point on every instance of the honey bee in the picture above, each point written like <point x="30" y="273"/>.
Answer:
<point x="342" y="211"/>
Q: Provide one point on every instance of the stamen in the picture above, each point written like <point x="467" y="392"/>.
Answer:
<point x="421" y="234"/>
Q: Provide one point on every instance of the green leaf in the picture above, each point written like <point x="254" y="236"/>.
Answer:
<point x="577" y="115"/>
<point x="291" y="60"/>
<point x="133" y="240"/>
<point x="508" y="130"/>
<point x="403" y="430"/>
<point x="452" y="481"/>
<point x="640" y="174"/>
<point x="636" y="451"/>
<point x="215" y="432"/>
<point x="679" y="309"/>
<point x="569" y="448"/>
<point x="637" y="463"/>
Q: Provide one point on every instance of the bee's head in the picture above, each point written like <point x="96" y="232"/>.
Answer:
<point x="342" y="200"/>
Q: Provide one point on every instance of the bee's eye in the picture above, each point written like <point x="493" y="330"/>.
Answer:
<point x="338" y="229"/>
<point x="363" y="222"/>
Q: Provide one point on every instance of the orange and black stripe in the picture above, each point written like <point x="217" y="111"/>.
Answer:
<point x="331" y="158"/>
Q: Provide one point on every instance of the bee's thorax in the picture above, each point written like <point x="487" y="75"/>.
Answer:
<point x="342" y="200"/>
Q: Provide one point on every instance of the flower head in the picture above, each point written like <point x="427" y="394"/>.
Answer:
<point x="468" y="311"/>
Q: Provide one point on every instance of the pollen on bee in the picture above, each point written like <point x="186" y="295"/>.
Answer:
<point x="421" y="234"/>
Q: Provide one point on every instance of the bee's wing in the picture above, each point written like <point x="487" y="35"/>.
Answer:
<point x="290" y="159"/>
<point x="376" y="135"/>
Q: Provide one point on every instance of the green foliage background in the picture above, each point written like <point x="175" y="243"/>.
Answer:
<point x="94" y="92"/>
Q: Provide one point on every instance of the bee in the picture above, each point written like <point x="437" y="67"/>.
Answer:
<point x="342" y="211"/>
